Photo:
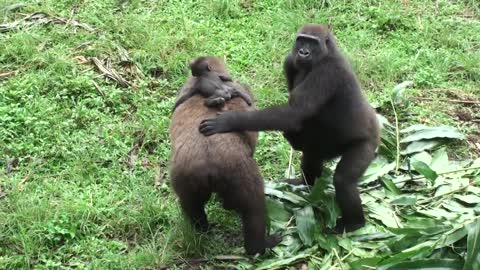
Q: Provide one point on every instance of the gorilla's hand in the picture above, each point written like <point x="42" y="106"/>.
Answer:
<point x="220" y="124"/>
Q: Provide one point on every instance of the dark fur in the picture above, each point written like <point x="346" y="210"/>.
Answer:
<point x="213" y="83"/>
<point x="326" y="116"/>
<point x="222" y="164"/>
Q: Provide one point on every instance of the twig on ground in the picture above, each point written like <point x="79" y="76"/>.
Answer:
<point x="98" y="88"/>
<point x="20" y="185"/>
<point x="449" y="100"/>
<point x="109" y="72"/>
<point x="4" y="75"/>
<point x="129" y="66"/>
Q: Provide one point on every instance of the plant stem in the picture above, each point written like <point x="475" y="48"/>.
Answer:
<point x="397" y="138"/>
<point x="290" y="163"/>
<point x="340" y="262"/>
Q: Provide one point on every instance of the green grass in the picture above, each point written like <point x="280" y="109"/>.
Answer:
<point x="73" y="201"/>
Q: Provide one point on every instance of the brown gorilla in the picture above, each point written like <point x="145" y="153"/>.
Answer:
<point x="221" y="164"/>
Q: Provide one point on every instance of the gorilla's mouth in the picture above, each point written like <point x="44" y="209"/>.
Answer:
<point x="303" y="62"/>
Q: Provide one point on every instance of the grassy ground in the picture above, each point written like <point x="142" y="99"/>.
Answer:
<point x="84" y="182"/>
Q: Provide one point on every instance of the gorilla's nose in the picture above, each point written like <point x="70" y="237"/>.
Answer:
<point x="303" y="52"/>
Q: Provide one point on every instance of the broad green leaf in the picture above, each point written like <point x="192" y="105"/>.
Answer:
<point x="419" y="146"/>
<point x="422" y="156"/>
<point x="404" y="200"/>
<point x="402" y="85"/>
<point x="472" y="260"/>
<point x="451" y="238"/>
<point x="372" y="236"/>
<point x="278" y="263"/>
<point x="383" y="121"/>
<point x="361" y="252"/>
<point x="390" y="185"/>
<point x="424" y="170"/>
<point x="306" y="225"/>
<point x="419" y="231"/>
<point x="286" y="195"/>
<point x="345" y="243"/>
<point x="428" y="264"/>
<point x="439" y="161"/>
<point x="449" y="186"/>
<point x="434" y="132"/>
<point x="473" y="189"/>
<point x="416" y="226"/>
<point x="382" y="214"/>
<point x="369" y="228"/>
<point x="414" y="128"/>
<point x="376" y="165"/>
<point x="419" y="251"/>
<point x="448" y="239"/>
<point x="397" y="93"/>
<point x="379" y="167"/>
<point x="387" y="148"/>
<point x="427" y="225"/>
<point x="455" y="207"/>
<point x="326" y="263"/>
<point x="366" y="263"/>
<point x="290" y="245"/>
<point x="476" y="164"/>
<point x="325" y="199"/>
<point x="331" y="212"/>
<point x="327" y="241"/>
<point x="438" y="213"/>
<point x="277" y="212"/>
<point x="468" y="199"/>
<point x="318" y="192"/>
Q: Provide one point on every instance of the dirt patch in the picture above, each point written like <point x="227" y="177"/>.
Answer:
<point x="474" y="141"/>
<point x="463" y="114"/>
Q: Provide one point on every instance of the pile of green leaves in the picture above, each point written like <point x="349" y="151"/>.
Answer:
<point x="422" y="209"/>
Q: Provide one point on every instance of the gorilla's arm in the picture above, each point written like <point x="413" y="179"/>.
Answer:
<point x="304" y="102"/>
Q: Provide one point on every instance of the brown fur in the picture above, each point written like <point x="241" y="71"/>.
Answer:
<point x="222" y="164"/>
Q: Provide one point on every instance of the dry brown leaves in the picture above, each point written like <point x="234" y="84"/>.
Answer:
<point x="105" y="67"/>
<point x="39" y="18"/>
<point x="133" y="153"/>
